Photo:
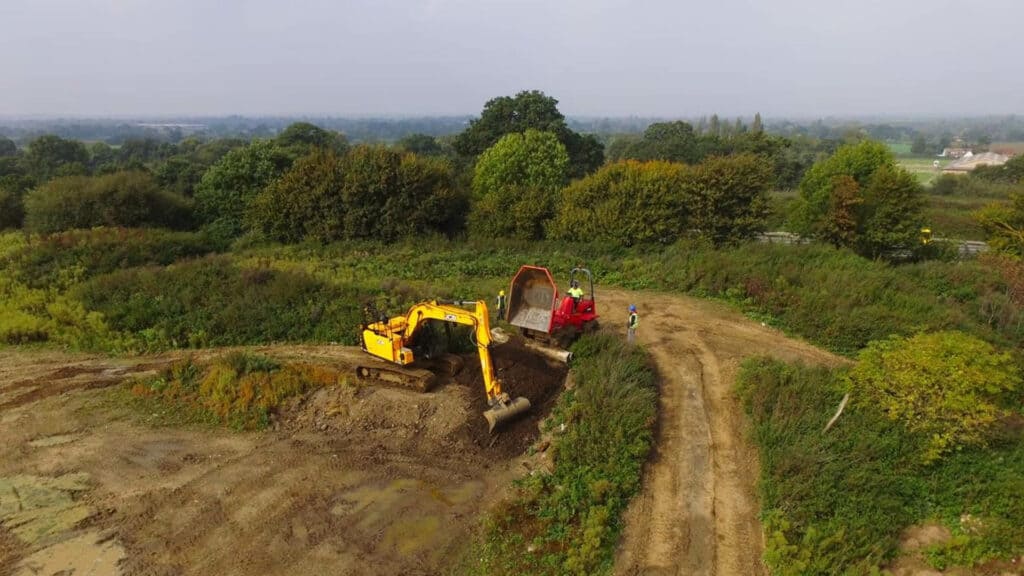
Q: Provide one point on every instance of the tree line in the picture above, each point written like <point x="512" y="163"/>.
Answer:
<point x="518" y="170"/>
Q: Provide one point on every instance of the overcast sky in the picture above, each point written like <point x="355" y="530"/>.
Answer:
<point x="598" y="57"/>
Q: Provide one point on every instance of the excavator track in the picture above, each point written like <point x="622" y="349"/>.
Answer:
<point x="418" y="379"/>
<point x="422" y="377"/>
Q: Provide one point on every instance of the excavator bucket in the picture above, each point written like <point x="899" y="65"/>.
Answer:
<point x="503" y="412"/>
<point x="531" y="300"/>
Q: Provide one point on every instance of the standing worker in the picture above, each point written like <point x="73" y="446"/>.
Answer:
<point x="634" y="320"/>
<point x="501" y="304"/>
<point x="577" y="294"/>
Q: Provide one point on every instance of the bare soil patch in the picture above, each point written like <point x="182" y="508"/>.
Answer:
<point x="350" y="479"/>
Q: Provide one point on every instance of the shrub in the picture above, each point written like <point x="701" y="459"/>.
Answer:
<point x="836" y="502"/>
<point x="625" y="203"/>
<point x="241" y="390"/>
<point x="1004" y="224"/>
<point x="946" y="386"/>
<point x="130" y="199"/>
<point x="515" y="184"/>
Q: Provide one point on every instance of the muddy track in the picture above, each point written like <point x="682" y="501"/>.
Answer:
<point x="698" y="512"/>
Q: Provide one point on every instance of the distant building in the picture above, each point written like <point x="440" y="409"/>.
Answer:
<point x="956" y="153"/>
<point x="968" y="163"/>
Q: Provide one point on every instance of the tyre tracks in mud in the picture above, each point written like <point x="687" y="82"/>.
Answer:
<point x="697" y="513"/>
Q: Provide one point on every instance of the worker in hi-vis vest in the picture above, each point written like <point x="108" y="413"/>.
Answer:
<point x="576" y="293"/>
<point x="634" y="321"/>
<point x="501" y="305"/>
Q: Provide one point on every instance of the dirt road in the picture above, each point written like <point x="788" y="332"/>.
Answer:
<point x="698" y="511"/>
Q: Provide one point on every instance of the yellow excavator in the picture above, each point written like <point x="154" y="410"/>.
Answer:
<point x="395" y="340"/>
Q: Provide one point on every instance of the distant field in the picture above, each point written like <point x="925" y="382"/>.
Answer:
<point x="1004" y="147"/>
<point x="922" y="167"/>
<point x="899" y="148"/>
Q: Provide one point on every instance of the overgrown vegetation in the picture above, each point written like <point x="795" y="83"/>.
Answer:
<point x="214" y="302"/>
<point x="568" y="521"/>
<point x="240" y="390"/>
<point x="949" y="388"/>
<point x="837" y="501"/>
<point x="130" y="199"/>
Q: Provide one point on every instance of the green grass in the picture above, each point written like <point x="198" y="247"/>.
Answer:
<point x="922" y="167"/>
<point x="568" y="522"/>
<point x="312" y="293"/>
<point x="951" y="216"/>
<point x="836" y="502"/>
<point x="899" y="148"/>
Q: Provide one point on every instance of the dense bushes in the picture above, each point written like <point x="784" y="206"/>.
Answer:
<point x="722" y="200"/>
<point x="837" y="501"/>
<point x="130" y="199"/>
<point x="567" y="522"/>
<point x="371" y="192"/>
<point x="213" y="302"/>
<point x="1004" y="224"/>
<point x="58" y="260"/>
<point x="625" y="203"/>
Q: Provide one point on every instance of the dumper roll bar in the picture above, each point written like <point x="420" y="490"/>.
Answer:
<point x="583" y="271"/>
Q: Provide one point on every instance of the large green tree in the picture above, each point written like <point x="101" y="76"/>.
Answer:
<point x="529" y="110"/>
<point x="227" y="188"/>
<point x="861" y="181"/>
<point x="515" y="184"/>
<point x="50" y="156"/>
<point x="301" y="137"/>
<point x="7" y="147"/>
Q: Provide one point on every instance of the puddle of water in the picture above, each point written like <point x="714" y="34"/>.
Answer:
<point x="413" y="535"/>
<point x="85" y="555"/>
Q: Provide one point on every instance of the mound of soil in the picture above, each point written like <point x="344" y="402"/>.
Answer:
<point x="446" y="422"/>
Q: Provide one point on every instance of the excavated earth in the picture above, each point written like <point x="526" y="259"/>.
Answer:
<point x="351" y="479"/>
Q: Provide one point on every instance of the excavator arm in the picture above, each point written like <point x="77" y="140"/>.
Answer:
<point x="389" y="339"/>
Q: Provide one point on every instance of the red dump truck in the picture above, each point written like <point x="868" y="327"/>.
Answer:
<point x="543" y="313"/>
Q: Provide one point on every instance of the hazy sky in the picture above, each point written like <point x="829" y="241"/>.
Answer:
<point x="598" y="57"/>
